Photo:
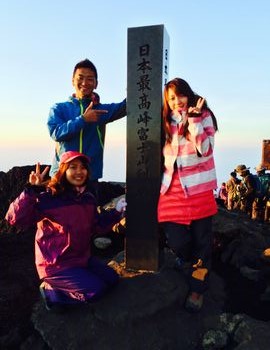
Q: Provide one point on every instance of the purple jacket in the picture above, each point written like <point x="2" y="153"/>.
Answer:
<point x="65" y="225"/>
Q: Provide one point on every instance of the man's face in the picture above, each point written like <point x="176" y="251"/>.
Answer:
<point x="84" y="82"/>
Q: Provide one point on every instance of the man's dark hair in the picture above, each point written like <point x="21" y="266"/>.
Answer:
<point x="86" y="63"/>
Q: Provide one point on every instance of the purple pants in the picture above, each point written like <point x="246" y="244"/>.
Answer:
<point x="79" y="284"/>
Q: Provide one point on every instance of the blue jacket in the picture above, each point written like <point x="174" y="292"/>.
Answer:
<point x="71" y="133"/>
<point x="65" y="226"/>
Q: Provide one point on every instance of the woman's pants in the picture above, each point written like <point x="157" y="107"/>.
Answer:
<point x="78" y="284"/>
<point x="192" y="243"/>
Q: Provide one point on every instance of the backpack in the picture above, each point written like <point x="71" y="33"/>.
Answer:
<point x="261" y="184"/>
<point x="265" y="181"/>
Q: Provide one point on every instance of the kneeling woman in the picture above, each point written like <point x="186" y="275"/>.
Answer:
<point x="66" y="216"/>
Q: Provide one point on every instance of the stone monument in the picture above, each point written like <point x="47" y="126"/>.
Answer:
<point x="266" y="154"/>
<point x="148" y="56"/>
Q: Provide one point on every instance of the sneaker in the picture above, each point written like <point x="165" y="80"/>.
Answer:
<point x="47" y="303"/>
<point x="50" y="306"/>
<point x="194" y="302"/>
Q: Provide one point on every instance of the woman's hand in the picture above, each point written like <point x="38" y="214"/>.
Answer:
<point x="179" y="115"/>
<point x="198" y="108"/>
<point x="35" y="177"/>
<point x="121" y="205"/>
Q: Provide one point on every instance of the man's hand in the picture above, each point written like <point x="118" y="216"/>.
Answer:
<point x="36" y="178"/>
<point x="92" y="115"/>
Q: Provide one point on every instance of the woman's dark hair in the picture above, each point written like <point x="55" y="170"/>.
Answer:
<point x="59" y="183"/>
<point x="86" y="63"/>
<point x="181" y="87"/>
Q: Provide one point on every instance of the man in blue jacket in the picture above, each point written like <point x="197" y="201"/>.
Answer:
<point x="79" y="123"/>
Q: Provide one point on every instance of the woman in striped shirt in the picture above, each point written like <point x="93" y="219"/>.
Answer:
<point x="187" y="204"/>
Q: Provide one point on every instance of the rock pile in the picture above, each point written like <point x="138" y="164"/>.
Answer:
<point x="145" y="311"/>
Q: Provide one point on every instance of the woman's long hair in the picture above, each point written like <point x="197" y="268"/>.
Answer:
<point x="59" y="183"/>
<point x="180" y="87"/>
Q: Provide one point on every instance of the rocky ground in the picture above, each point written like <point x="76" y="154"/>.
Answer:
<point x="238" y="244"/>
<point x="19" y="285"/>
<point x="19" y="282"/>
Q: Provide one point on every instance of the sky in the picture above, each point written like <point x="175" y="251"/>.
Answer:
<point x="221" y="48"/>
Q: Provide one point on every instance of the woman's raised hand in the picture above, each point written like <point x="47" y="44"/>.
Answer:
<point x="35" y="177"/>
<point x="198" y="108"/>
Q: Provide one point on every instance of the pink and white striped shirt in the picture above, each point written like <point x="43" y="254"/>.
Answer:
<point x="192" y="153"/>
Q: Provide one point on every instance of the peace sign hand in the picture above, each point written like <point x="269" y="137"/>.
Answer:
<point x="198" y="108"/>
<point x="35" y="177"/>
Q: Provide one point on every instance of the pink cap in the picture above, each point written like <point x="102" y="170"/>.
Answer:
<point x="70" y="155"/>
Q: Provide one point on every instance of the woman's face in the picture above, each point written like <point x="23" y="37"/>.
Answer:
<point x="76" y="173"/>
<point x="178" y="102"/>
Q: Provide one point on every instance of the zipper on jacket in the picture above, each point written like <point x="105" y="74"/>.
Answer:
<point x="99" y="137"/>
<point x="81" y="131"/>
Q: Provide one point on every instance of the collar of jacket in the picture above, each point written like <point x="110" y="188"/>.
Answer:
<point x="74" y="99"/>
